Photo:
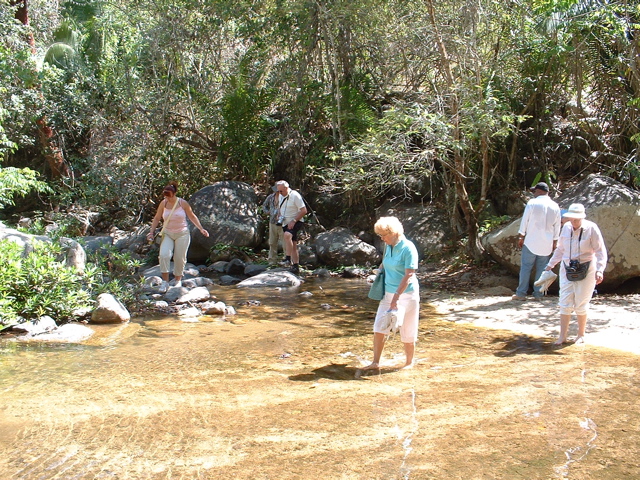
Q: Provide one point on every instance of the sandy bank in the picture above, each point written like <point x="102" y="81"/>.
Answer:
<point x="614" y="321"/>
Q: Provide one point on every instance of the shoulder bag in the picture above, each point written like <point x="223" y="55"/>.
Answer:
<point x="376" y="292"/>
<point x="159" y="237"/>
<point x="576" y="271"/>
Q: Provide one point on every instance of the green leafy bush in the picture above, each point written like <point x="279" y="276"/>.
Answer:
<point x="19" y="182"/>
<point x="38" y="284"/>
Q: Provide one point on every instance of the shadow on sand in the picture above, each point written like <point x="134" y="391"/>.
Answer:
<point x="335" y="371"/>
<point x="527" y="345"/>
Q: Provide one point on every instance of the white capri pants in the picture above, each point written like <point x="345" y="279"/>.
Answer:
<point x="575" y="296"/>
<point x="411" y="303"/>
<point x="176" y="245"/>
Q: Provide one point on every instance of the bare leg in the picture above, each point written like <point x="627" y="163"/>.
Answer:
<point x="564" y="328"/>
<point x="409" y="349"/>
<point x="378" y="344"/>
<point x="288" y="244"/>
<point x="165" y="276"/>
<point x="295" y="256"/>
<point x="582" y="325"/>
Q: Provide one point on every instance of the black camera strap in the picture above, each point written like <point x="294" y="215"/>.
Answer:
<point x="285" y="199"/>
<point x="571" y="243"/>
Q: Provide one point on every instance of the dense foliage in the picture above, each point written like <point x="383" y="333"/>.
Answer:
<point x="366" y="100"/>
<point x="41" y="284"/>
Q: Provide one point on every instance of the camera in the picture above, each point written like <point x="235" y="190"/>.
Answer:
<point x="574" y="266"/>
<point x="280" y="220"/>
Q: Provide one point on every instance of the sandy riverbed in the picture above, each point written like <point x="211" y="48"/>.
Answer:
<point x="614" y="321"/>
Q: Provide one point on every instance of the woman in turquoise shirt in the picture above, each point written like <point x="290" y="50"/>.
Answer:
<point x="400" y="263"/>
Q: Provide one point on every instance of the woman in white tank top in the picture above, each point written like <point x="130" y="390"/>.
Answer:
<point x="175" y="237"/>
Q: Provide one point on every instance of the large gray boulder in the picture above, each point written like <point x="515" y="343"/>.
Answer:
<point x="229" y="212"/>
<point x="340" y="247"/>
<point x="94" y="244"/>
<point x="614" y="207"/>
<point x="427" y="226"/>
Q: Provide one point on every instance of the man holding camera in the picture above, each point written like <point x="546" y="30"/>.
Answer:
<point x="537" y="237"/>
<point x="292" y="211"/>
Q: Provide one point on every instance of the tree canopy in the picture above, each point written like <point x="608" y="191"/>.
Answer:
<point x="446" y="102"/>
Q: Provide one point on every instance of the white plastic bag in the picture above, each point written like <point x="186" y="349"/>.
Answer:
<point x="546" y="279"/>
<point x="392" y="320"/>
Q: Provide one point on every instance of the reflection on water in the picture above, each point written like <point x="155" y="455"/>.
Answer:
<point x="276" y="392"/>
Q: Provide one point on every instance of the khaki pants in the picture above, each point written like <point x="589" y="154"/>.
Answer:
<point x="176" y="245"/>
<point x="276" y="237"/>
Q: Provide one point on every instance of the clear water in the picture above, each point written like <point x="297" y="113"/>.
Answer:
<point x="275" y="392"/>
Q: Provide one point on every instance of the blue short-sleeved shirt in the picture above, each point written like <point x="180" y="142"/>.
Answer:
<point x="397" y="259"/>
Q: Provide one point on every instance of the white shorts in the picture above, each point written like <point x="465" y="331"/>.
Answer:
<point x="575" y="296"/>
<point x="411" y="303"/>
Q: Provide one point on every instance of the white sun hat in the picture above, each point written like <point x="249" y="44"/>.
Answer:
<point x="576" y="210"/>
<point x="545" y="281"/>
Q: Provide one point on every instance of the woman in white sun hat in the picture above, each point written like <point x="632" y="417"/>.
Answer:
<point x="580" y="242"/>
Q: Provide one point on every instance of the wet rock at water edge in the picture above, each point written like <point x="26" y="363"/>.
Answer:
<point x="229" y="280"/>
<point x="36" y="327"/>
<point x="273" y="278"/>
<point x="67" y="333"/>
<point x="109" y="310"/>
<point x="198" y="294"/>
<point x="213" y="308"/>
<point x="189" y="314"/>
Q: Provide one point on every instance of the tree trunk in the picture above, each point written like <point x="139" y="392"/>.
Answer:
<point x="474" y="248"/>
<point x="46" y="135"/>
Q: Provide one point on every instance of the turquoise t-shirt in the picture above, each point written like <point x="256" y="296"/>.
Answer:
<point x="397" y="259"/>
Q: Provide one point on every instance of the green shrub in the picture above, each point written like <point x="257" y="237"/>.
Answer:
<point x="111" y="271"/>
<point x="56" y="225"/>
<point x="38" y="284"/>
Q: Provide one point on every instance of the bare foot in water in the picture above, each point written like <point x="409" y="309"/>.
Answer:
<point x="372" y="366"/>
<point x="406" y="366"/>
<point x="559" y="342"/>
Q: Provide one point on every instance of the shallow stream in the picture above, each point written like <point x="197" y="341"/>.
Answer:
<point x="275" y="392"/>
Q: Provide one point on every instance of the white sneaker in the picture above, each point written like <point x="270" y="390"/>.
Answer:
<point x="164" y="286"/>
<point x="177" y="283"/>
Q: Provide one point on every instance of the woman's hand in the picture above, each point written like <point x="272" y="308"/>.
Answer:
<point x="204" y="232"/>
<point x="599" y="278"/>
